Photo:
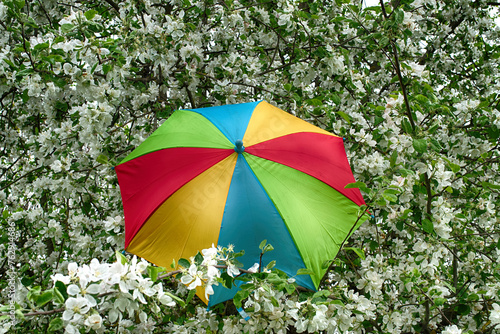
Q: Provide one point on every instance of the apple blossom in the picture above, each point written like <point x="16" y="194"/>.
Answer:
<point x="412" y="86"/>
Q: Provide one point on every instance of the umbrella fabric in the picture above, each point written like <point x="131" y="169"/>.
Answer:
<point x="239" y="174"/>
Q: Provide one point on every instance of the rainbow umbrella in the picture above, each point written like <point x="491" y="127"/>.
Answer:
<point x="239" y="174"/>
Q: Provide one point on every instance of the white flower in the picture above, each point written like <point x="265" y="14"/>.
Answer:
<point x="61" y="278"/>
<point x="209" y="255"/>
<point x="100" y="272"/>
<point x="72" y="270"/>
<point x="75" y="307"/>
<point x="192" y="277"/>
<point x="232" y="270"/>
<point x="301" y="325"/>
<point x="420" y="246"/>
<point x="143" y="287"/>
<point x="443" y="230"/>
<point x="417" y="70"/>
<point x="70" y="329"/>
<point x="113" y="315"/>
<point x="495" y="314"/>
<point x="113" y="223"/>
<point x="83" y="291"/>
<point x="209" y="290"/>
<point x="391" y="102"/>
<point x="452" y="330"/>
<point x="94" y="321"/>
<point x="254" y="268"/>
<point x="408" y="21"/>
<point x="56" y="166"/>
<point x="319" y="322"/>
<point x="3" y="11"/>
<point x="166" y="299"/>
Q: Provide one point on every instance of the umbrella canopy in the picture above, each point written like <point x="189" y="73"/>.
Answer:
<point x="239" y="174"/>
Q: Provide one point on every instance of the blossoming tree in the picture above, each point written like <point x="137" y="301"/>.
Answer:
<point x="413" y="86"/>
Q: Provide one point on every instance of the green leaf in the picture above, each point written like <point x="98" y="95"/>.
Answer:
<point x="305" y="271"/>
<point x="227" y="281"/>
<point x="361" y="185"/>
<point x="454" y="167"/>
<point x="422" y="99"/>
<point x="106" y="68"/>
<point x="427" y="226"/>
<point x="102" y="159"/>
<point x="473" y="297"/>
<point x="359" y="252"/>
<point x="326" y="264"/>
<point x="392" y="191"/>
<point x="190" y="295"/>
<point x="344" y="116"/>
<point x="59" y="82"/>
<point x="271" y="264"/>
<point x="198" y="258"/>
<point x="177" y="299"/>
<point x="153" y="272"/>
<point x="19" y="3"/>
<point x="435" y="145"/>
<point x="34" y="293"/>
<point x="321" y="294"/>
<point x="58" y="39"/>
<point x="11" y="64"/>
<point x="463" y="309"/>
<point x="268" y="248"/>
<point x="406" y="125"/>
<point x="394" y="158"/>
<point x="390" y="197"/>
<point x="290" y="288"/>
<point x="400" y="16"/>
<point x="184" y="263"/>
<point x="384" y="41"/>
<point x="288" y="87"/>
<point x="487" y="184"/>
<point x="44" y="298"/>
<point x="90" y="14"/>
<point x="434" y="128"/>
<point x="420" y="145"/>
<point x="93" y="68"/>
<point x="58" y="296"/>
<point x="337" y="302"/>
<point x="121" y="258"/>
<point x="55" y="324"/>
<point x="61" y="288"/>
<point x="67" y="27"/>
<point x="439" y="301"/>
<point x="41" y="46"/>
<point x="314" y="102"/>
<point x="335" y="99"/>
<point x="400" y="225"/>
<point x="239" y="297"/>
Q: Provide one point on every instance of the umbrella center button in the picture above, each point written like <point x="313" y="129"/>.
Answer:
<point x="239" y="148"/>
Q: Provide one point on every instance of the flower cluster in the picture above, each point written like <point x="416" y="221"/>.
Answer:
<point x="413" y="87"/>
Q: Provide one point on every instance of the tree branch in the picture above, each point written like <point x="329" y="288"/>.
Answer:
<point x="397" y="67"/>
<point x="113" y="4"/>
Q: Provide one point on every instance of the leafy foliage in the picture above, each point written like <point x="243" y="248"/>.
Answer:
<point x="412" y="85"/>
